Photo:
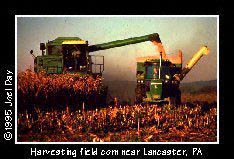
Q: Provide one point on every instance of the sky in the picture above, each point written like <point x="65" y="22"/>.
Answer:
<point x="187" y="34"/>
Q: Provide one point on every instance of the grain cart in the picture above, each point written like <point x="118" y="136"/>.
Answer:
<point x="158" y="78"/>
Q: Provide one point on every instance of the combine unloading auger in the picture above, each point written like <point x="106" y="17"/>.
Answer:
<point x="119" y="43"/>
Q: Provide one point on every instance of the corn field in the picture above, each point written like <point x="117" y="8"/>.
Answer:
<point x="61" y="108"/>
<point x="56" y="90"/>
<point x="137" y="123"/>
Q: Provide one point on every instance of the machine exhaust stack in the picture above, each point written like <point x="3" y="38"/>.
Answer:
<point x="31" y="52"/>
<point x="160" y="65"/>
<point x="196" y="57"/>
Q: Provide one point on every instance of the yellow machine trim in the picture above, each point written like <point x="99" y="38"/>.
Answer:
<point x="74" y="42"/>
<point x="156" y="96"/>
<point x="203" y="51"/>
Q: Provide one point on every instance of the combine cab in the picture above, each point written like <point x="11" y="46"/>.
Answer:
<point x="67" y="54"/>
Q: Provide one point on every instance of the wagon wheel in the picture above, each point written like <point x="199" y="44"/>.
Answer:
<point x="175" y="99"/>
<point x="178" y="97"/>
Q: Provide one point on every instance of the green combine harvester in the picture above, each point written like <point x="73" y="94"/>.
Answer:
<point x="71" y="54"/>
<point x="158" y="78"/>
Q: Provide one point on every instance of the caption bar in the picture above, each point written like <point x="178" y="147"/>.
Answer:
<point x="174" y="152"/>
